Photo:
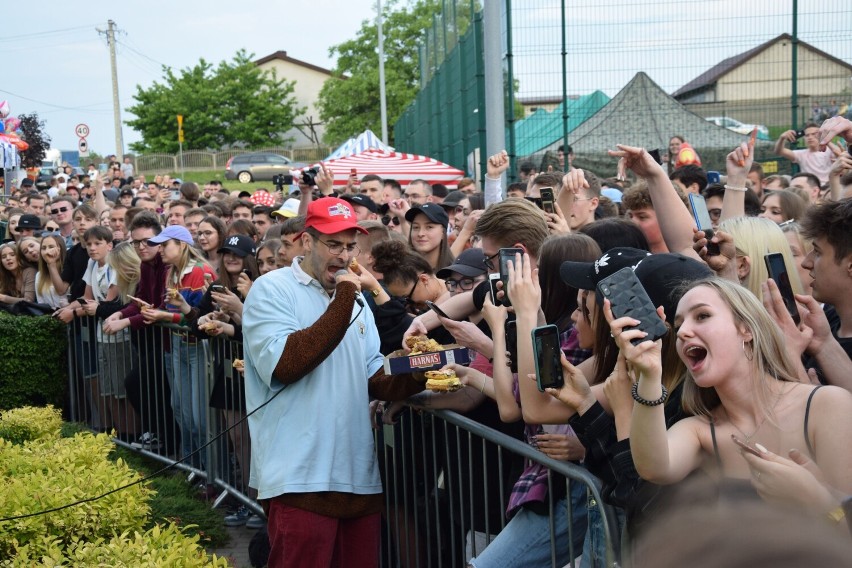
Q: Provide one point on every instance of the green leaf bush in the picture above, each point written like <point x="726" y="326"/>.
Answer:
<point x="41" y="470"/>
<point x="33" y="361"/>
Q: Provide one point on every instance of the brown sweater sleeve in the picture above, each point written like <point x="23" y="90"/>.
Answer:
<point x="307" y="348"/>
<point x="395" y="387"/>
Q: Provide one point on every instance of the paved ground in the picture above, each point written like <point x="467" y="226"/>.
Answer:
<point x="237" y="549"/>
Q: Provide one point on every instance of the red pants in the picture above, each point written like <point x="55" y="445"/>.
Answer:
<point x="299" y="539"/>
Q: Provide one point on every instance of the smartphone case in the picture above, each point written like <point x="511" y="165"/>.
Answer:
<point x="559" y="381"/>
<point x="628" y="298"/>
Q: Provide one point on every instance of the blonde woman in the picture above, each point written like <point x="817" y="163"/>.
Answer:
<point x="741" y="384"/>
<point x="52" y="252"/>
<point x="754" y="238"/>
<point x="186" y="282"/>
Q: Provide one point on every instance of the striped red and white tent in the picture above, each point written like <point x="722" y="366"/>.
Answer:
<point x="395" y="165"/>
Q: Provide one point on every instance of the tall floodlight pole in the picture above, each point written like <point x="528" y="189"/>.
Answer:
<point x="382" y="95"/>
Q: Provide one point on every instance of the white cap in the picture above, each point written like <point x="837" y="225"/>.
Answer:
<point x="289" y="209"/>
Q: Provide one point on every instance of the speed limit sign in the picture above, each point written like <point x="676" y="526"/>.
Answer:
<point x="82" y="130"/>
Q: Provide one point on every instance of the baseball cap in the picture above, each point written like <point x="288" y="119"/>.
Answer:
<point x="127" y="191"/>
<point x="469" y="263"/>
<point x="177" y="232"/>
<point x="262" y="197"/>
<point x="433" y="211"/>
<point x="361" y="199"/>
<point x="330" y="215"/>
<point x="289" y="209"/>
<point x="28" y="222"/>
<point x="27" y="182"/>
<point x="452" y="199"/>
<point x="240" y="245"/>
<point x="662" y="275"/>
<point x="586" y="275"/>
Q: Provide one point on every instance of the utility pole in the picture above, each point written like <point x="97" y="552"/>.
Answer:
<point x="116" y="107"/>
<point x="383" y="105"/>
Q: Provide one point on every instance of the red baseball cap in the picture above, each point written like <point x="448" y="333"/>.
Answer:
<point x="330" y="215"/>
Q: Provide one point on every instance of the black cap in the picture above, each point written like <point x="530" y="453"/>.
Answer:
<point x="452" y="199"/>
<point x="439" y="190"/>
<point x="662" y="275"/>
<point x="240" y="245"/>
<point x="469" y="263"/>
<point x="433" y="211"/>
<point x="28" y="221"/>
<point x="586" y="275"/>
<point x="361" y="199"/>
<point x="126" y="191"/>
<point x="27" y="182"/>
<point x="244" y="194"/>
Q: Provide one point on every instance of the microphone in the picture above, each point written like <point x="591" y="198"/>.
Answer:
<point x="344" y="272"/>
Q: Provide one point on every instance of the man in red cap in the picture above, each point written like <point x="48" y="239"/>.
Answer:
<point x="312" y="362"/>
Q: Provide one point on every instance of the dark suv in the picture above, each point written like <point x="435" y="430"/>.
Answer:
<point x="258" y="166"/>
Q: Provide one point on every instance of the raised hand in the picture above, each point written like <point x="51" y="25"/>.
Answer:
<point x="638" y="160"/>
<point x="576" y="392"/>
<point x="497" y="164"/>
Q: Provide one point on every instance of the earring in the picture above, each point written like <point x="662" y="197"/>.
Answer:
<point x="749" y="356"/>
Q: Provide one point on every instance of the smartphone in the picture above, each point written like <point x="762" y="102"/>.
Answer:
<point x="777" y="269"/>
<point x="493" y="279"/>
<point x="800" y="134"/>
<point x="174" y="194"/>
<point x="714" y="177"/>
<point x="628" y="298"/>
<point x="548" y="352"/>
<point x="512" y="344"/>
<point x="217" y="288"/>
<point x="82" y="301"/>
<point x="547" y="200"/>
<point x="353" y="172"/>
<point x="745" y="445"/>
<point x="702" y="218"/>
<point x="507" y="254"/>
<point x="437" y="310"/>
<point x="140" y="302"/>
<point x="656" y="155"/>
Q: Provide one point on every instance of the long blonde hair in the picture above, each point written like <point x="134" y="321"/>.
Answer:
<point x="188" y="254"/>
<point x="128" y="268"/>
<point x="755" y="237"/>
<point x="44" y="282"/>
<point x="769" y="355"/>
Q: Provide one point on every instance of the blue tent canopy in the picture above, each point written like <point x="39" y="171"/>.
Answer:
<point x="542" y="128"/>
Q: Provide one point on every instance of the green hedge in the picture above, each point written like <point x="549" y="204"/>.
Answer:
<point x="33" y="361"/>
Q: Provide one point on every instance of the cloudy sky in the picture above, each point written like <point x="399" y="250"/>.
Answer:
<point x="56" y="63"/>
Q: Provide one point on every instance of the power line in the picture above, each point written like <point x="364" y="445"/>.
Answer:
<point x="42" y="34"/>
<point x="60" y="107"/>
<point x="139" y="53"/>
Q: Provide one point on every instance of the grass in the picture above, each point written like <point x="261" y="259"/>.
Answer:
<point x="201" y="178"/>
<point x="175" y="500"/>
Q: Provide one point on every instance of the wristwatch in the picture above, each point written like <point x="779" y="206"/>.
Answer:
<point x="375" y="293"/>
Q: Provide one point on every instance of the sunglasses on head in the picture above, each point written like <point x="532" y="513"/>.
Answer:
<point x="387" y="220"/>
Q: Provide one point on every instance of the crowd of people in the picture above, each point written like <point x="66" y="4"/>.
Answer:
<point x="314" y="287"/>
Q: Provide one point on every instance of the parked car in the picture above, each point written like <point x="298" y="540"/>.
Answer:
<point x="740" y="127"/>
<point x="259" y="166"/>
<point x="45" y="174"/>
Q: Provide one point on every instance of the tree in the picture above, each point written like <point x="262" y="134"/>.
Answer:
<point x="351" y="103"/>
<point x="235" y="104"/>
<point x="32" y="131"/>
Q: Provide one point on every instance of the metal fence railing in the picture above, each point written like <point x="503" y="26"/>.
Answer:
<point x="200" y="160"/>
<point x="176" y="398"/>
<point x="565" y="63"/>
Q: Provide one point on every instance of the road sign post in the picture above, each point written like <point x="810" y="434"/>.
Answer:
<point x="180" y="143"/>
<point x="83" y="147"/>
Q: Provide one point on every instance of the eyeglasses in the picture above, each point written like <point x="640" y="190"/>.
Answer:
<point x="139" y="243"/>
<point x="489" y="261"/>
<point x="464" y="283"/>
<point x="407" y="298"/>
<point x="462" y="210"/>
<point x="387" y="220"/>
<point x="413" y="196"/>
<point x="337" y="249"/>
<point x="59" y="210"/>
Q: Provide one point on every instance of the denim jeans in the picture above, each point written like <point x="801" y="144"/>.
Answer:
<point x="185" y="370"/>
<point x="594" y="548"/>
<point x="525" y="541"/>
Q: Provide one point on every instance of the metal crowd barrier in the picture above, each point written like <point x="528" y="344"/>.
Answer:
<point x="447" y="478"/>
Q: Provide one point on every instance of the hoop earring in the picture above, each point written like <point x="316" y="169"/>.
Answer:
<point x="746" y="353"/>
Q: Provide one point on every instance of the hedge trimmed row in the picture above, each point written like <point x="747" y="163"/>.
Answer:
<point x="33" y="361"/>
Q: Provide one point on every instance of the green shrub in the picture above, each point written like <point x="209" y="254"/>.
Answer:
<point x="21" y="425"/>
<point x="47" y="473"/>
<point x="159" y="546"/>
<point x="33" y="361"/>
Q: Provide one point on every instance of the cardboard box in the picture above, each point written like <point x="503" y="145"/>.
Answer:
<point x="399" y="362"/>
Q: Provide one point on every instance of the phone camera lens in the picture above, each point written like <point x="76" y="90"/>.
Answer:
<point x="605" y="290"/>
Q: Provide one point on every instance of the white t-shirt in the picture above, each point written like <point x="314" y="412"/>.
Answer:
<point x="100" y="278"/>
<point x="817" y="163"/>
<point x="50" y="297"/>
